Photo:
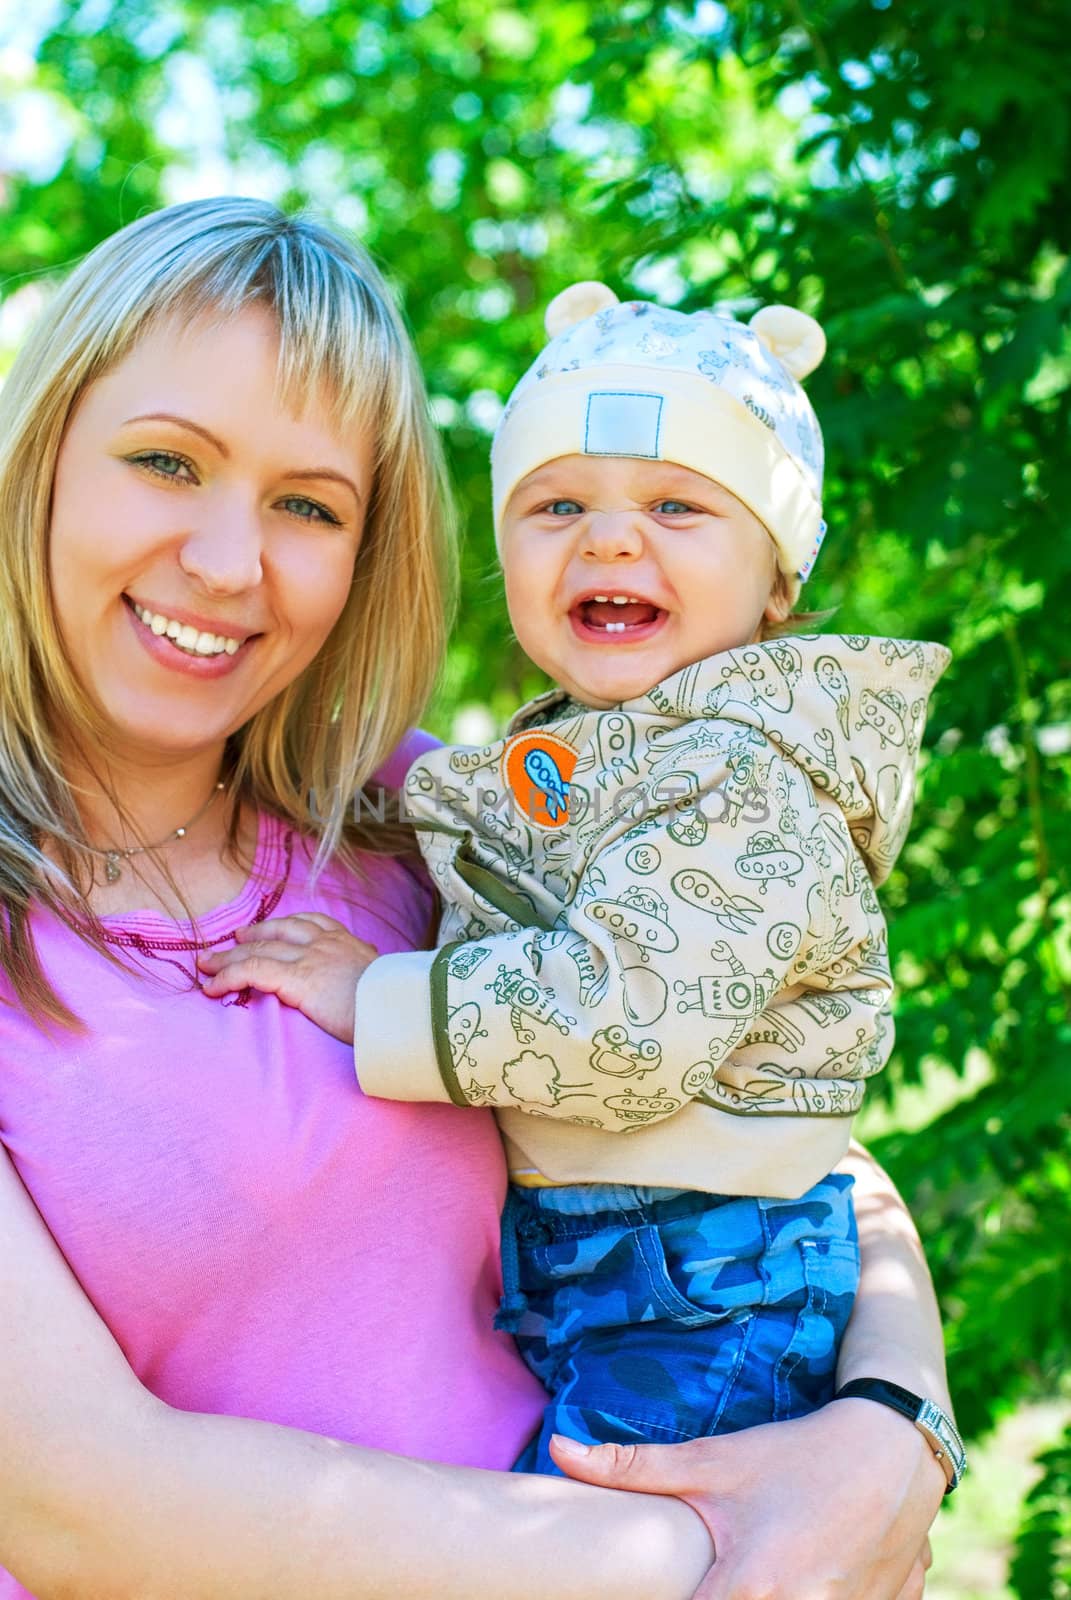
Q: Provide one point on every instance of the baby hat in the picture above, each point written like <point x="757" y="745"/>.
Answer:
<point x="701" y="390"/>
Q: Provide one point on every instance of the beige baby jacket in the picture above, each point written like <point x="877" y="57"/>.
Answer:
<point x="662" y="960"/>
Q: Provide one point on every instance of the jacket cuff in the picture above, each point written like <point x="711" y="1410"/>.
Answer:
<point x="393" y="1038"/>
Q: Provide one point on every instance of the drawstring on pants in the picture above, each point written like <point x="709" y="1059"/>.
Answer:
<point x="513" y="1304"/>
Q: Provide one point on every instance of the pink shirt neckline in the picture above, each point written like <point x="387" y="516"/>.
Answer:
<point x="267" y="880"/>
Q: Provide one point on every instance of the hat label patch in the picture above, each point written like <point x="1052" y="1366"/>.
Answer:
<point x="623" y="424"/>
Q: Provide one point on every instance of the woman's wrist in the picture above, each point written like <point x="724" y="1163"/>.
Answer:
<point x="881" y="1429"/>
<point x="932" y="1421"/>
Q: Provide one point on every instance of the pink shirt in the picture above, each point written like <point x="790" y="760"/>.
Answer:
<point x="261" y="1239"/>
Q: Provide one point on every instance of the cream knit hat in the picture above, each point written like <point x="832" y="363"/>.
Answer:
<point x="701" y="390"/>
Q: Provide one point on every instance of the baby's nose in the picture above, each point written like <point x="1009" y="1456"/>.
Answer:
<point x="613" y="535"/>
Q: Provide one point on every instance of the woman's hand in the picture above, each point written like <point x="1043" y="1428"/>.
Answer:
<point x="833" y="1506"/>
<point x="308" y="961"/>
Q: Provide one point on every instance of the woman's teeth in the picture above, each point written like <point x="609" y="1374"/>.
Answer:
<point x="184" y="636"/>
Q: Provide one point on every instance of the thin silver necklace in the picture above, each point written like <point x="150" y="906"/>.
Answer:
<point x="115" y="858"/>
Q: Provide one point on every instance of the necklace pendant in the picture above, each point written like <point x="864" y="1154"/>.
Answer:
<point x="113" y="866"/>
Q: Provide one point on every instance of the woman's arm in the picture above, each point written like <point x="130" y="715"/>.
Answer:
<point x="108" y="1494"/>
<point x="895" y="1328"/>
<point x="838" y="1503"/>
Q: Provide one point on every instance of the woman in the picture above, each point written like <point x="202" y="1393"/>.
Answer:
<point x="224" y="562"/>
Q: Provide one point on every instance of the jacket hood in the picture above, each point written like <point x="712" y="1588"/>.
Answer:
<point x="849" y="710"/>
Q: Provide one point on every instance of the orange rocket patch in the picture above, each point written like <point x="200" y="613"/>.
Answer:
<point x="537" y="769"/>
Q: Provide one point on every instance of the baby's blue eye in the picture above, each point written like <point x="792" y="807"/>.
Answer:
<point x="564" y="508"/>
<point x="673" y="508"/>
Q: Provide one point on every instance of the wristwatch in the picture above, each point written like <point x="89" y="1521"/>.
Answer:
<point x="934" y="1423"/>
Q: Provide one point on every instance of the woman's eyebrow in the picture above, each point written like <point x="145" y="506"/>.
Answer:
<point x="304" y="474"/>
<point x="181" y="422"/>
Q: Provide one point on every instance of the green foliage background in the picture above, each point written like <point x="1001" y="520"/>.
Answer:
<point x="900" y="168"/>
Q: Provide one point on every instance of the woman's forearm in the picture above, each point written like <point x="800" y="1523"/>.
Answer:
<point x="895" y="1328"/>
<point x="108" y="1494"/>
<point x="190" y="1507"/>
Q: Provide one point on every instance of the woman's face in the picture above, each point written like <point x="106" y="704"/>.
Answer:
<point x="203" y="535"/>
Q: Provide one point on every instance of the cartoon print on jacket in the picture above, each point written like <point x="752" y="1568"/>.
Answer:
<point x="621" y="1056"/>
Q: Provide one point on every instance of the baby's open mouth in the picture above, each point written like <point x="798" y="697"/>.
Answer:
<point x="616" y="614"/>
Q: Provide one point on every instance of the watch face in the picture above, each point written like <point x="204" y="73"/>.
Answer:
<point x="946" y="1442"/>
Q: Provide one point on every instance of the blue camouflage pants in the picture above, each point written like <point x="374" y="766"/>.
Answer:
<point x="656" y="1315"/>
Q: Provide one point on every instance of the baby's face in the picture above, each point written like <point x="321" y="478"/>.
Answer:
<point x="619" y="572"/>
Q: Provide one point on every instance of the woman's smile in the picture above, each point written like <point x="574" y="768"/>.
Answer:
<point x="182" y="645"/>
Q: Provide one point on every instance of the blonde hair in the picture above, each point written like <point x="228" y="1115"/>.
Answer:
<point x="305" y="755"/>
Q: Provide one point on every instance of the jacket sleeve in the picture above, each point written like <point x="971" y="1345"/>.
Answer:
<point x="683" y="927"/>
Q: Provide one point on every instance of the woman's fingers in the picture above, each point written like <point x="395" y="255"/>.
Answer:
<point x="916" y="1579"/>
<point x="648" y="1468"/>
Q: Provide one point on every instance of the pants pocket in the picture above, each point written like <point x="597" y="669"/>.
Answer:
<point x="804" y="1375"/>
<point x="675" y="1305"/>
<point x="604" y="1280"/>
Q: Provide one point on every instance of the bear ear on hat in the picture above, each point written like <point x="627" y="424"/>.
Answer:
<point x="792" y="336"/>
<point x="576" y="304"/>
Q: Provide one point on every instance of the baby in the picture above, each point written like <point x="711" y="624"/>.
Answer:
<point x="662" y="961"/>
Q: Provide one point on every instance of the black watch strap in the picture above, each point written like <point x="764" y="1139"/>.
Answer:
<point x="880" y="1389"/>
<point x="932" y="1421"/>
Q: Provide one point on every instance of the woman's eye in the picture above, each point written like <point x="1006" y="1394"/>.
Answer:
<point x="165" y="464"/>
<point x="673" y="508"/>
<point x="564" y="508"/>
<point x="308" y="510"/>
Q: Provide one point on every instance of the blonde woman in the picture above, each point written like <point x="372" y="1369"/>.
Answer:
<point x="245" y="1307"/>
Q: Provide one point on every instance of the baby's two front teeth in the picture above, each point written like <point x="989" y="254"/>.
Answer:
<point x="617" y="600"/>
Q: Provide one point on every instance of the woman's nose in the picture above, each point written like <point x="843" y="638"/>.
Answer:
<point x="223" y="552"/>
<point x="612" y="535"/>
